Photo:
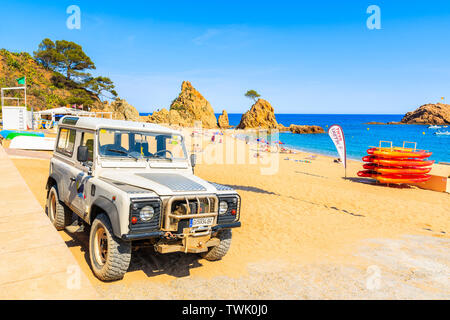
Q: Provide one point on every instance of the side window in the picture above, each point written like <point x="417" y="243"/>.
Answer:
<point x="87" y="139"/>
<point x="66" y="142"/>
<point x="62" y="141"/>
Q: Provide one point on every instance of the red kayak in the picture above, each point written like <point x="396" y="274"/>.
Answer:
<point x="400" y="153"/>
<point x="396" y="170"/>
<point x="398" y="162"/>
<point x="367" y="174"/>
<point x="394" y="178"/>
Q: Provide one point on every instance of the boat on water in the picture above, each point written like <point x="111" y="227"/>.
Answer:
<point x="442" y="133"/>
<point x="434" y="127"/>
<point x="33" y="143"/>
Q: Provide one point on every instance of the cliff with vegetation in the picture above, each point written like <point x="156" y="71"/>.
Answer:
<point x="437" y="114"/>
<point x="45" y="88"/>
<point x="57" y="75"/>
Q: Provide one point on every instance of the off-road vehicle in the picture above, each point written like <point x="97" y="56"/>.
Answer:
<point x="132" y="184"/>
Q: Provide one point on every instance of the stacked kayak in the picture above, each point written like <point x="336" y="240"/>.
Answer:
<point x="397" y="165"/>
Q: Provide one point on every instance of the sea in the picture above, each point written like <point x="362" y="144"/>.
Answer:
<point x="359" y="136"/>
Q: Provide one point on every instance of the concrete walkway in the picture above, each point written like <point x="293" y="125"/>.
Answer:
<point x="35" y="263"/>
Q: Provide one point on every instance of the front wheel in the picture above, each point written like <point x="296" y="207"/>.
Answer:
<point x="110" y="256"/>
<point x="219" y="251"/>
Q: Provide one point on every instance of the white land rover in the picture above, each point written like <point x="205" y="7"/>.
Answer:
<point x="132" y="184"/>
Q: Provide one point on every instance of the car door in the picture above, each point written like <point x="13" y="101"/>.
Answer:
<point x="79" y="174"/>
<point x="63" y="161"/>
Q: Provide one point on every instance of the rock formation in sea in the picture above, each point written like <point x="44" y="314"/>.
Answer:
<point x="305" y="129"/>
<point x="223" y="122"/>
<point x="438" y="114"/>
<point x="260" y="115"/>
<point x="189" y="107"/>
<point x="301" y="129"/>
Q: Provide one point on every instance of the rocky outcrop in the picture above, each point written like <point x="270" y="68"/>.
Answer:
<point x="260" y="115"/>
<point x="223" y="122"/>
<point x="305" y="129"/>
<point x="438" y="114"/>
<point x="375" y="122"/>
<point x="171" y="117"/>
<point x="122" y="110"/>
<point x="282" y="128"/>
<point x="190" y="106"/>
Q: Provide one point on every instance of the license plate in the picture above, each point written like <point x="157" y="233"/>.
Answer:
<point x="195" y="222"/>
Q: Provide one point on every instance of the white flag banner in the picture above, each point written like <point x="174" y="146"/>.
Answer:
<point x="337" y="135"/>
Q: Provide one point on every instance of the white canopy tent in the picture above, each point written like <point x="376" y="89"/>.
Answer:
<point x="56" y="113"/>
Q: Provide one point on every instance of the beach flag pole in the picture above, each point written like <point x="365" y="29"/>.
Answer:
<point x="337" y="136"/>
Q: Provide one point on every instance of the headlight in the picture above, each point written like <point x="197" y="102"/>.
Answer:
<point x="146" y="213"/>
<point x="223" y="207"/>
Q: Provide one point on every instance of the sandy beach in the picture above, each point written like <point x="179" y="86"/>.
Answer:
<point x="306" y="233"/>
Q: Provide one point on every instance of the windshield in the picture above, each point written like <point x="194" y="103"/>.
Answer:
<point x="137" y="145"/>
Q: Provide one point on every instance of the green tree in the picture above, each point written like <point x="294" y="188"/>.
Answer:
<point x="47" y="54"/>
<point x="74" y="61"/>
<point x="99" y="85"/>
<point x="66" y="57"/>
<point x="252" y="94"/>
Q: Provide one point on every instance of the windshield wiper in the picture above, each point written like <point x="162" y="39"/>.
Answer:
<point x="123" y="152"/>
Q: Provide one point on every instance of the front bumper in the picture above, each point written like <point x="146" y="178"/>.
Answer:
<point x="160" y="234"/>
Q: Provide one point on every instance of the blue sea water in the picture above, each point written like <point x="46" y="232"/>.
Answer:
<point x="358" y="135"/>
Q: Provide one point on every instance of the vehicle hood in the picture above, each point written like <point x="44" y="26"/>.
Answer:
<point x="163" y="183"/>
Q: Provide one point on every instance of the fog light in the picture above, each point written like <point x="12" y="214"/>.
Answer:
<point x="223" y="207"/>
<point x="146" y="213"/>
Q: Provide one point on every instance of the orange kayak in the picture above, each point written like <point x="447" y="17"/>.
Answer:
<point x="398" y="153"/>
<point x="395" y="178"/>
<point x="396" y="170"/>
<point x="403" y="179"/>
<point x="398" y="162"/>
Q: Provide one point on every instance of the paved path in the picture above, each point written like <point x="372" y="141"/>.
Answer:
<point x="35" y="263"/>
<point x="28" y="154"/>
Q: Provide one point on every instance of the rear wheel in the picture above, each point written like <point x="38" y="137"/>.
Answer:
<point x="110" y="256"/>
<point x="219" y="251"/>
<point x="59" y="214"/>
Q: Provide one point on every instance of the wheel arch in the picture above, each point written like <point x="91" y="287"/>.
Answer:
<point x="104" y="205"/>
<point x="51" y="181"/>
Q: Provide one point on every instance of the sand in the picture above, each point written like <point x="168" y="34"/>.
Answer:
<point x="306" y="233"/>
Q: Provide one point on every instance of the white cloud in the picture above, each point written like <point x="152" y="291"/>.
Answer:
<point x="210" y="33"/>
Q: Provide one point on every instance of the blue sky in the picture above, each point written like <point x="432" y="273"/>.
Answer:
<point x="303" y="57"/>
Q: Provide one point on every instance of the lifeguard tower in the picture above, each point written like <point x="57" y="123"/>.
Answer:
<point x="14" y="107"/>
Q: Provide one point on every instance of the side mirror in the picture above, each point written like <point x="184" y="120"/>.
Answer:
<point x="193" y="160"/>
<point x="82" y="154"/>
